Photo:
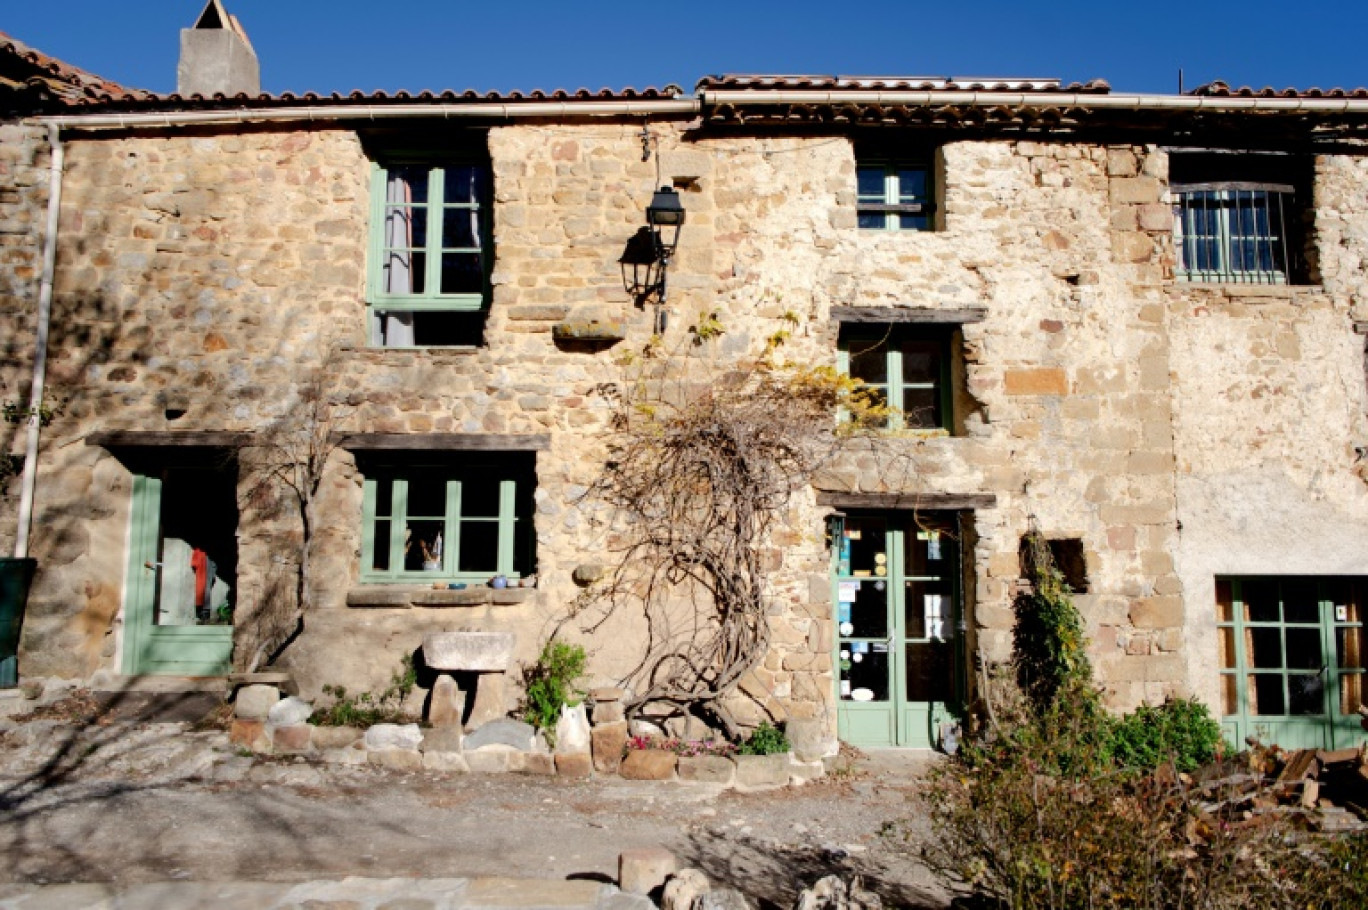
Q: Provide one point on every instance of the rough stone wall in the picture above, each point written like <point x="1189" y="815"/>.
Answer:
<point x="1270" y="407"/>
<point x="24" y="171"/>
<point x="216" y="272"/>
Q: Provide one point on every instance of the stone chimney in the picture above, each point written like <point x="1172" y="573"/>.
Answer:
<point x="216" y="56"/>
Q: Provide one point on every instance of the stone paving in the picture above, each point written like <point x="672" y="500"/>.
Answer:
<point x="346" y="894"/>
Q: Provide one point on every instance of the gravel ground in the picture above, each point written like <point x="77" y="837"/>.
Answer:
<point x="153" y="802"/>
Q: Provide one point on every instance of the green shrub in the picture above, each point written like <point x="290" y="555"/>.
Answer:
<point x="550" y="683"/>
<point x="367" y="709"/>
<point x="765" y="740"/>
<point x="1180" y="730"/>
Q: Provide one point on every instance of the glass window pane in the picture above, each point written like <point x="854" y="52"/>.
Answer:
<point x="423" y="546"/>
<point x="869" y="612"/>
<point x="929" y="676"/>
<point x="462" y="273"/>
<point x="1266" y="694"/>
<point x="912" y="184"/>
<point x="869" y="182"/>
<point x="1304" y="649"/>
<point x="1230" y="702"/>
<point x="914" y="223"/>
<point x="1225" y="600"/>
<point x="1301" y="600"/>
<point x="1227" y="641"/>
<point x="403" y="272"/>
<point x="384" y="497"/>
<point x="1260" y="598"/>
<point x="1306" y="693"/>
<point x="427" y="489"/>
<point x="1346" y="595"/>
<point x="461" y="228"/>
<point x="1350" y="693"/>
<point x="864" y="671"/>
<point x="928" y="550"/>
<point x="927" y="609"/>
<point x="407" y="183"/>
<point x="868" y="539"/>
<point x="479" y="547"/>
<point x="921" y="361"/>
<point x="480" y="496"/>
<point x="921" y="408"/>
<point x="1349" y="647"/>
<point x="869" y="360"/>
<point x="380" y="560"/>
<point x="1263" y="648"/>
<point x="873" y="220"/>
<point x="465" y="183"/>
<point x="405" y="226"/>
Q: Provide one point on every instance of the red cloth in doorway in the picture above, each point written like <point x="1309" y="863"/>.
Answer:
<point x="199" y="561"/>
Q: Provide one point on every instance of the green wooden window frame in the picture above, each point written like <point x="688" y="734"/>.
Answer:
<point x="895" y="194"/>
<point x="899" y="342"/>
<point x="436" y="212"/>
<point x="387" y="508"/>
<point x="1268" y="644"/>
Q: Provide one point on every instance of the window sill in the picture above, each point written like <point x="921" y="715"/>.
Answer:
<point x="402" y="597"/>
<point x="1241" y="289"/>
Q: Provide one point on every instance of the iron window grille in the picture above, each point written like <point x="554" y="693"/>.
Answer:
<point x="1234" y="232"/>
<point x="894" y="195"/>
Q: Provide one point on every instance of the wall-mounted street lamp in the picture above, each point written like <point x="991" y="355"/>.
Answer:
<point x="646" y="260"/>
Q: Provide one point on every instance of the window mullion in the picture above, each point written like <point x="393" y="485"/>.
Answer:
<point x="892" y="220"/>
<point x="368" y="520"/>
<point x="435" y="210"/>
<point x="507" y="526"/>
<point x="893" y="364"/>
<point x="398" y="525"/>
<point x="453" y="527"/>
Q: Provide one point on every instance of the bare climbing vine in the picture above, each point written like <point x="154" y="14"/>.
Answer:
<point x="704" y="463"/>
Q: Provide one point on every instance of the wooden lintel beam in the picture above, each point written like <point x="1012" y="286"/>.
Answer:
<point x="907" y="501"/>
<point x="449" y="442"/>
<point x="922" y="315"/>
<point x="130" y="439"/>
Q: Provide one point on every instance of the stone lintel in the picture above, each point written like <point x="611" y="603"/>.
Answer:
<point x="486" y="442"/>
<point x="402" y="597"/>
<point x="214" y="439"/>
<point x="919" y="315"/>
<point x="921" y="501"/>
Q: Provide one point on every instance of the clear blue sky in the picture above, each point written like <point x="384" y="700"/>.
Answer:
<point x="501" y="45"/>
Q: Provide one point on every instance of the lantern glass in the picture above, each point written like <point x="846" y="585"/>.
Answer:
<point x="665" y="215"/>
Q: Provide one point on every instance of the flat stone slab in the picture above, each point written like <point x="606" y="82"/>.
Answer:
<point x="482" y="652"/>
<point x="503" y="732"/>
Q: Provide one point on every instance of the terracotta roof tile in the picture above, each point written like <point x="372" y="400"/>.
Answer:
<point x="1223" y="90"/>
<point x="49" y="80"/>
<point x="760" y="82"/>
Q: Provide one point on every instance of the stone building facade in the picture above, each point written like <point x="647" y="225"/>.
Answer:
<point x="1190" y="432"/>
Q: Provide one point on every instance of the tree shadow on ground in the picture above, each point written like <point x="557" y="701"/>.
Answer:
<point x="775" y="873"/>
<point x="85" y="748"/>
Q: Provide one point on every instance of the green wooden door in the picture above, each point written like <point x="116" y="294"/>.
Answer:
<point x="1292" y="662"/>
<point x="175" y="623"/>
<point x="897" y="607"/>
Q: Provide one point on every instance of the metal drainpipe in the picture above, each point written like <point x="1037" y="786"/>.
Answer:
<point x="41" y="345"/>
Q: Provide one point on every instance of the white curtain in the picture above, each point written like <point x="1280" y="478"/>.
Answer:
<point x="395" y="329"/>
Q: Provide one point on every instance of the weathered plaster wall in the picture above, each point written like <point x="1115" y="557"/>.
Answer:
<point x="1270" y="404"/>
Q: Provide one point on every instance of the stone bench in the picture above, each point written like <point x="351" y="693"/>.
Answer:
<point x="486" y="655"/>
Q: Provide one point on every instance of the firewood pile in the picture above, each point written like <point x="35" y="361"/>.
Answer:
<point x="1312" y="789"/>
